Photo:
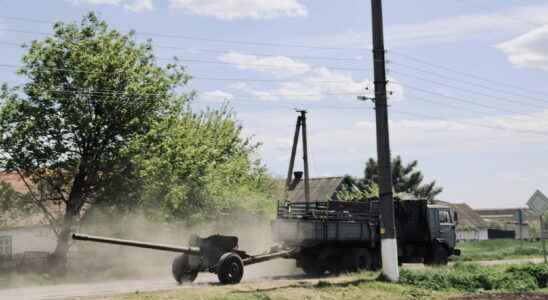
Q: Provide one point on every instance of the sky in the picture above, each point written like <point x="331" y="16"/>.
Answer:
<point x="467" y="79"/>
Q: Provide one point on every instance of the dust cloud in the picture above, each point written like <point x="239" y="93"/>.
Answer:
<point x="103" y="262"/>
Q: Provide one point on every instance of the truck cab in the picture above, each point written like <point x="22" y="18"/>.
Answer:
<point x="442" y="222"/>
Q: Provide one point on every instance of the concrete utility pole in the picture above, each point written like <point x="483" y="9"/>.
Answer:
<point x="389" y="247"/>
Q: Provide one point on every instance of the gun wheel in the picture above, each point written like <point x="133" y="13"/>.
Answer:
<point x="230" y="269"/>
<point x="181" y="270"/>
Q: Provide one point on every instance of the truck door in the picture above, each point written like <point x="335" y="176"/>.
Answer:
<point x="447" y="226"/>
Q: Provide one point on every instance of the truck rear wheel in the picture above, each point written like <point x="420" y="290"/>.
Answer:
<point x="358" y="259"/>
<point x="230" y="269"/>
<point x="181" y="270"/>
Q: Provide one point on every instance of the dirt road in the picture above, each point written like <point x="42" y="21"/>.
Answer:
<point x="253" y="273"/>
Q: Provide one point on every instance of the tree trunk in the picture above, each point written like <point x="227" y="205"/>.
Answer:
<point x="58" y="259"/>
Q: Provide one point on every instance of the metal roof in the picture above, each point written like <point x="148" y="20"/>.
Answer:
<point x="468" y="217"/>
<point x="321" y="189"/>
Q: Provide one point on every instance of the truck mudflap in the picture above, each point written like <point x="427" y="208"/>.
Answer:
<point x="456" y="252"/>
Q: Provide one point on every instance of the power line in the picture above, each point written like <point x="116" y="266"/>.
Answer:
<point x="497" y="98"/>
<point x="425" y="116"/>
<point x="192" y="77"/>
<point x="457" y="98"/>
<point x="192" y="50"/>
<point x="466" y="82"/>
<point x="201" y="39"/>
<point x="424" y="62"/>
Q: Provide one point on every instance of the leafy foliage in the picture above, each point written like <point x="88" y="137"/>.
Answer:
<point x="90" y="91"/>
<point x="197" y="167"/>
<point x="406" y="180"/>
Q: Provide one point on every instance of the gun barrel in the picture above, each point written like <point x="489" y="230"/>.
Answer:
<point x="161" y="247"/>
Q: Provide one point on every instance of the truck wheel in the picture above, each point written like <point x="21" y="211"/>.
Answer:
<point x="230" y="269"/>
<point x="376" y="261"/>
<point x="439" y="256"/>
<point x="358" y="259"/>
<point x="181" y="270"/>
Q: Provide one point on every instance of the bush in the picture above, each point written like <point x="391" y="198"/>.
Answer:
<point x="472" y="278"/>
<point x="516" y="282"/>
<point x="538" y="272"/>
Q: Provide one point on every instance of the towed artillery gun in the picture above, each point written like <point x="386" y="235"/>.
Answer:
<point x="323" y="235"/>
<point x="217" y="254"/>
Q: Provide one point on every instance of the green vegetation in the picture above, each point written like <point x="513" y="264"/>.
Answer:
<point x="406" y="180"/>
<point x="431" y="283"/>
<point x="472" y="278"/>
<point x="100" y="124"/>
<point x="497" y="250"/>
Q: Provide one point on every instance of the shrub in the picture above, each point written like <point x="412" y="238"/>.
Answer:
<point x="472" y="278"/>
<point x="538" y="272"/>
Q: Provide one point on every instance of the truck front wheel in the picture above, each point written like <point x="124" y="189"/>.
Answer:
<point x="439" y="256"/>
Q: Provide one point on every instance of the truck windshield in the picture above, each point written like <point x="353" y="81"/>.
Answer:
<point x="445" y="217"/>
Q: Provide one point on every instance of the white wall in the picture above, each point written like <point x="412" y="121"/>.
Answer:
<point x="30" y="239"/>
<point x="472" y="235"/>
<point x="524" y="231"/>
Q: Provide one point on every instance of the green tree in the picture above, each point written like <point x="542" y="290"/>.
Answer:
<point x="406" y="179"/>
<point x="90" y="92"/>
<point x="197" y="167"/>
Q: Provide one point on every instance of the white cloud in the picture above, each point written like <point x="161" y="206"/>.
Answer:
<point x="254" y="93"/>
<point x="313" y="83"/>
<point x="217" y="96"/>
<point x="277" y="65"/>
<point x="139" y="5"/>
<point x="448" y="29"/>
<point x="238" y="9"/>
<point x="528" y="50"/>
<point x="130" y="5"/>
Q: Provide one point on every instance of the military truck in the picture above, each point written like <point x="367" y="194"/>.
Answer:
<point x="332" y="235"/>
<point x="337" y="236"/>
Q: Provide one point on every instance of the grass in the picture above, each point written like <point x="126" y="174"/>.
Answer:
<point x="354" y="286"/>
<point x="467" y="277"/>
<point x="498" y="250"/>
<point x="426" y="284"/>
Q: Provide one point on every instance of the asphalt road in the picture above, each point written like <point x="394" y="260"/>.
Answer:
<point x="253" y="273"/>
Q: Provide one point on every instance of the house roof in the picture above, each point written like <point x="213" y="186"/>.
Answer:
<point x="10" y="220"/>
<point x="500" y="212"/>
<point x="321" y="189"/>
<point x="467" y="217"/>
<point x="14" y="180"/>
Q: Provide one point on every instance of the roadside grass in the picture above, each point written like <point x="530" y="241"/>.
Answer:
<point x="352" y="286"/>
<point x="426" y="284"/>
<point x="497" y="250"/>
<point x="466" y="277"/>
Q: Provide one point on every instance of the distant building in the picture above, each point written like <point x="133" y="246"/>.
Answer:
<point x="20" y="235"/>
<point x="506" y="219"/>
<point x="470" y="225"/>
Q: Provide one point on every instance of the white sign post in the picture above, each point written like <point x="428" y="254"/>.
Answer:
<point x="538" y="203"/>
